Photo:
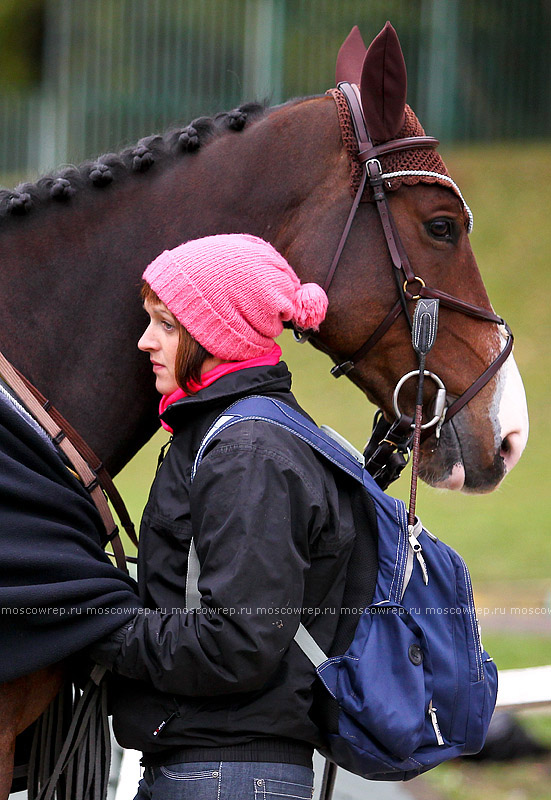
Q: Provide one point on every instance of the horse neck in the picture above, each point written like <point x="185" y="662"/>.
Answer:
<point x="71" y="275"/>
<point x="70" y="319"/>
<point x="262" y="180"/>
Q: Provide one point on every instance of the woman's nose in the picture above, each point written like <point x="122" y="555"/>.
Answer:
<point x="146" y="341"/>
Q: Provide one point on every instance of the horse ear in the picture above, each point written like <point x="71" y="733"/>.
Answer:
<point x="351" y="57"/>
<point x="383" y="85"/>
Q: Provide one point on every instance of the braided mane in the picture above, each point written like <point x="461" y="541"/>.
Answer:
<point x="151" y="151"/>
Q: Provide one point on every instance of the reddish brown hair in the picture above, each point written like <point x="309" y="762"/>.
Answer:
<point x="190" y="355"/>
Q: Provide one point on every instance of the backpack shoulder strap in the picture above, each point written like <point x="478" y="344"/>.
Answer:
<point x="273" y="411"/>
<point x="277" y="413"/>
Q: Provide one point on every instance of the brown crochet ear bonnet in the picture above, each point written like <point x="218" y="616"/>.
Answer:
<point x="381" y="74"/>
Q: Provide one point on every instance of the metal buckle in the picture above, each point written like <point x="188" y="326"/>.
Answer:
<point x="418" y="280"/>
<point x="377" y="165"/>
<point x="439" y="402"/>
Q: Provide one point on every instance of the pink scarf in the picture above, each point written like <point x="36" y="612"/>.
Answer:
<point x="212" y="375"/>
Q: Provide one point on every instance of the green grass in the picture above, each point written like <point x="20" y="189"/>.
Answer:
<point x="500" y="781"/>
<point x="518" y="650"/>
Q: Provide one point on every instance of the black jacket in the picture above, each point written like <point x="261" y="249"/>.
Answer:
<point x="273" y="529"/>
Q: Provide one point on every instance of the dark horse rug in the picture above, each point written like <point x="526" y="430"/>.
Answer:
<point x="59" y="592"/>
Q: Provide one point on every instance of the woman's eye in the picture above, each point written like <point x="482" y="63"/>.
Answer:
<point x="440" y="229"/>
<point x="167" y="325"/>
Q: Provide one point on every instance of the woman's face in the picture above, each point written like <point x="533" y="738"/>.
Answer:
<point x="160" y="339"/>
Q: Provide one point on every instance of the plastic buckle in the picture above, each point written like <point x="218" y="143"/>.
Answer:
<point x="342" y="369"/>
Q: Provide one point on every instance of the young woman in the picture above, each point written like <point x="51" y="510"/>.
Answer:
<point x="220" y="699"/>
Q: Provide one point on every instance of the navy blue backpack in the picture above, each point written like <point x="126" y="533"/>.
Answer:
<point x="414" y="687"/>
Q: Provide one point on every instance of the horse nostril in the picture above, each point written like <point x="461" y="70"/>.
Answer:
<point x="512" y="446"/>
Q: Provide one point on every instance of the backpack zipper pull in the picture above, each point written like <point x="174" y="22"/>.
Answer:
<point x="417" y="549"/>
<point x="435" y="725"/>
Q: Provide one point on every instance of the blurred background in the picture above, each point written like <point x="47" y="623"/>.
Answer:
<point x="82" y="77"/>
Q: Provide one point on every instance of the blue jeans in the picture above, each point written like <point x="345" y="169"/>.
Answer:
<point x="227" y="780"/>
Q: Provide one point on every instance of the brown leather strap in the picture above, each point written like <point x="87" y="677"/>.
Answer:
<point x="415" y="456"/>
<point x="60" y="438"/>
<point x="458" y="305"/>
<point x="356" y="113"/>
<point x="395" y="145"/>
<point x="118" y="551"/>
<point x="105" y="480"/>
<point x="378" y="333"/>
<point x="368" y="156"/>
<point x="483" y="379"/>
<point x="397" y="252"/>
<point x="344" y="235"/>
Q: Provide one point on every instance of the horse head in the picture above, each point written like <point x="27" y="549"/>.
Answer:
<point x="428" y="227"/>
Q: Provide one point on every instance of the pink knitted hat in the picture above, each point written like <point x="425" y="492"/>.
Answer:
<point x="232" y="292"/>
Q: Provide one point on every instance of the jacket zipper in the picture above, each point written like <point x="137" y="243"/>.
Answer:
<point x="162" y="725"/>
<point x="162" y="454"/>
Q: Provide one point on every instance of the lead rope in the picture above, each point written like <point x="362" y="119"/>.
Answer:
<point x="423" y="336"/>
<point x="71" y="750"/>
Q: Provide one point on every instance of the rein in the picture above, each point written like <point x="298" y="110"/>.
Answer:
<point x="87" y="466"/>
<point x="387" y="451"/>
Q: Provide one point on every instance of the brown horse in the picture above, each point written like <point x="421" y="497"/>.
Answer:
<point x="74" y="246"/>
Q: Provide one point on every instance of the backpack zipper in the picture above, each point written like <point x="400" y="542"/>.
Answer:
<point x="418" y="552"/>
<point x="414" y="551"/>
<point x="435" y="725"/>
<point x="474" y="624"/>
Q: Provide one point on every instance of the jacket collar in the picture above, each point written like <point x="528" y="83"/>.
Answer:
<point x="227" y="389"/>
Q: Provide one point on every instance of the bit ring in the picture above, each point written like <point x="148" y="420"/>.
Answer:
<point x="439" y="403"/>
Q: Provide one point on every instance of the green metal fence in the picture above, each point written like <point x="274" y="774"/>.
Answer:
<point x="115" y="70"/>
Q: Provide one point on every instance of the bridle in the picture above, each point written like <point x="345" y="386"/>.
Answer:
<point x="386" y="452"/>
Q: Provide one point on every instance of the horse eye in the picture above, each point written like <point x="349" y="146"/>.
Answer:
<point x="440" y="228"/>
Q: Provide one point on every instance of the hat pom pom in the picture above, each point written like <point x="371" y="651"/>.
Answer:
<point x="310" y="306"/>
